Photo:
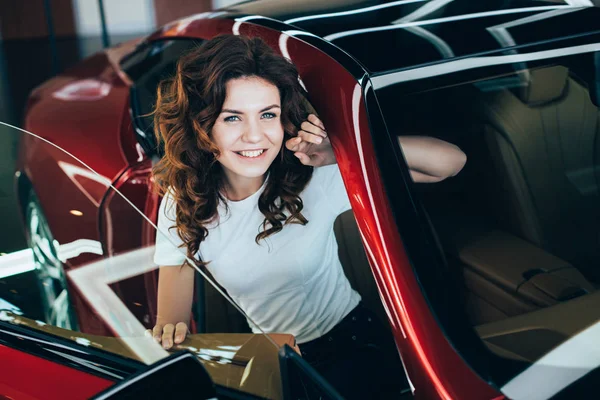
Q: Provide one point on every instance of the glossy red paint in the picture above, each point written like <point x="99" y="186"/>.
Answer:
<point x="441" y="372"/>
<point x="434" y="368"/>
<point x="51" y="171"/>
<point x="193" y="27"/>
<point x="52" y="381"/>
<point x="122" y="227"/>
<point x="85" y="111"/>
<point x="88" y="129"/>
<point x="148" y="239"/>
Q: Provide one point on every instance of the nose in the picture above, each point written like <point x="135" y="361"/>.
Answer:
<point x="252" y="132"/>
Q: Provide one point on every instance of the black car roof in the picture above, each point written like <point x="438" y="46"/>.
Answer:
<point x="387" y="36"/>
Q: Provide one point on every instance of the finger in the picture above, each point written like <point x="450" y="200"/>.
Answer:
<point x="315" y="120"/>
<point x="148" y="333"/>
<point x="293" y="143"/>
<point x="157" y="333"/>
<point x="314" y="129"/>
<point x="304" y="159"/>
<point x="310" y="137"/>
<point x="167" y="336"/>
<point x="180" y="332"/>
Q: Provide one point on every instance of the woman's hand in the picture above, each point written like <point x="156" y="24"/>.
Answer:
<point x="168" y="334"/>
<point x="312" y="146"/>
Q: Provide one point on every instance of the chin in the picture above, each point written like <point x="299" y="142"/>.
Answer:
<point x="250" y="168"/>
<point x="248" y="171"/>
<point x="251" y="173"/>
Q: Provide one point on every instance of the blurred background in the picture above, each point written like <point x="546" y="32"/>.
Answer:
<point x="39" y="38"/>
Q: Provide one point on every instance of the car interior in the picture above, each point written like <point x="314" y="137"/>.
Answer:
<point x="520" y="224"/>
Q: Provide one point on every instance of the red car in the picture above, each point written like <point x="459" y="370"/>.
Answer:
<point x="488" y="280"/>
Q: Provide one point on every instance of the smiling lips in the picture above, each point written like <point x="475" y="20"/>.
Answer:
<point x="250" y="153"/>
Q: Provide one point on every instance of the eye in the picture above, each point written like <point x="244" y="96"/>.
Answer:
<point x="232" y="118"/>
<point x="269" y="115"/>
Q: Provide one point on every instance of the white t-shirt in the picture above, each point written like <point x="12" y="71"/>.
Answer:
<point x="292" y="281"/>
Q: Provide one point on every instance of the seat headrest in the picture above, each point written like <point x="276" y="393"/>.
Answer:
<point x="545" y="85"/>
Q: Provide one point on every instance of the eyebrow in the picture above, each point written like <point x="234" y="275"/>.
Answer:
<point x="239" y="112"/>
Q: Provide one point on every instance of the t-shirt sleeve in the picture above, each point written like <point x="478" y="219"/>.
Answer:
<point x="167" y="240"/>
<point x="333" y="188"/>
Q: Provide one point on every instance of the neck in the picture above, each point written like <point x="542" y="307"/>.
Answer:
<point x="240" y="188"/>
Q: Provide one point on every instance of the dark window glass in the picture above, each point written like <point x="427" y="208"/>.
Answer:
<point x="519" y="226"/>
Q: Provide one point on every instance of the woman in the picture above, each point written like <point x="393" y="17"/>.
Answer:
<point x="245" y="189"/>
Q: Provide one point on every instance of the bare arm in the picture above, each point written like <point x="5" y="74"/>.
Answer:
<point x="430" y="159"/>
<point x="175" y="295"/>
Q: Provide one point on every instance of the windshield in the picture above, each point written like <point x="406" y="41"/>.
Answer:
<point x="77" y="264"/>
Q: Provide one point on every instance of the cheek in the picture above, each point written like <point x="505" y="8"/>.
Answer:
<point x="276" y="135"/>
<point x="223" y="137"/>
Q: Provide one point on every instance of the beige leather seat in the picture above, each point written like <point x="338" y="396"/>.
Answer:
<point x="354" y="261"/>
<point x="223" y="317"/>
<point x="520" y="224"/>
<point x="545" y="151"/>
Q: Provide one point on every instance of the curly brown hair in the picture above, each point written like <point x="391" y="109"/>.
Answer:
<point x="187" y="107"/>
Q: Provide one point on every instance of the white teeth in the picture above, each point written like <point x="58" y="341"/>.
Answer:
<point x="251" y="154"/>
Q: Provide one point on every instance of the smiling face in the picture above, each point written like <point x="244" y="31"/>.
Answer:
<point x="248" y="132"/>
